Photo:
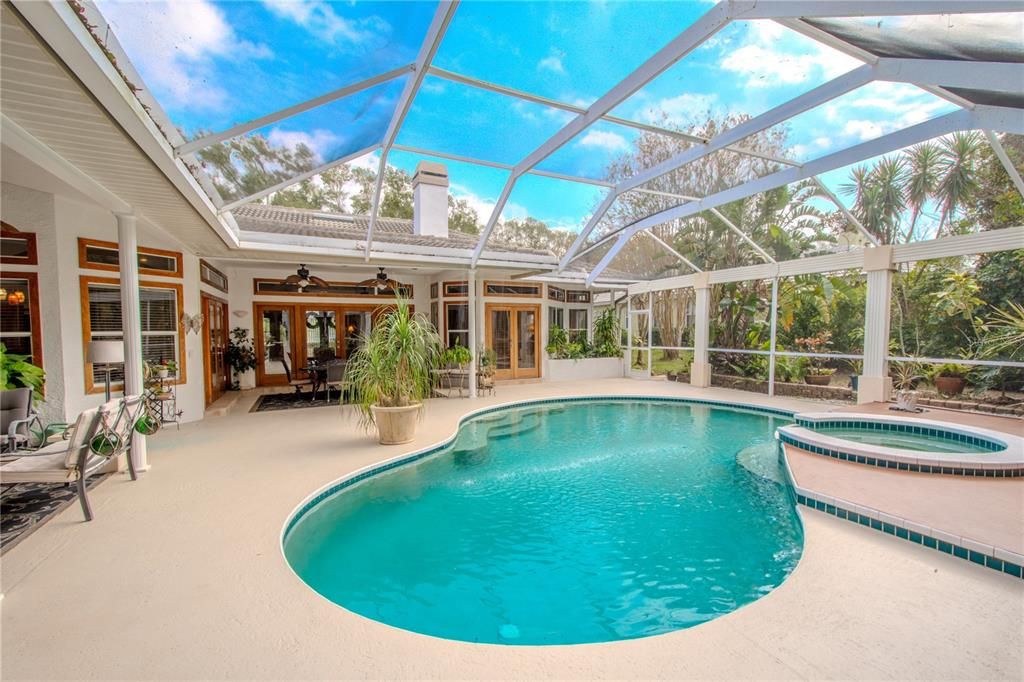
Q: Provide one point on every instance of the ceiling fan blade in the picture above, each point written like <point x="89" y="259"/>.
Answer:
<point x="372" y="282"/>
<point x="316" y="281"/>
<point x="292" y="279"/>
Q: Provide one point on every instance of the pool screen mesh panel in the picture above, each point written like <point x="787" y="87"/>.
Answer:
<point x="471" y="83"/>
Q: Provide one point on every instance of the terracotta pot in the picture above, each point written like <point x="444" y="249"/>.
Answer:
<point x="395" y="425"/>
<point x="818" y="379"/>
<point x="950" y="385"/>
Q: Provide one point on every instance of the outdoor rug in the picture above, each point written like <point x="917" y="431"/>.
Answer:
<point x="25" y="507"/>
<point x="290" y="401"/>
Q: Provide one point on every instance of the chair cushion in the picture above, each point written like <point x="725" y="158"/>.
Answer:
<point x="50" y="461"/>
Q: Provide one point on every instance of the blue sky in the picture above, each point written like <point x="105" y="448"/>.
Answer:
<point x="214" y="64"/>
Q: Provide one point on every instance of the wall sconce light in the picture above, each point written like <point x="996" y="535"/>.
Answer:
<point x="192" y="323"/>
<point x="16" y="298"/>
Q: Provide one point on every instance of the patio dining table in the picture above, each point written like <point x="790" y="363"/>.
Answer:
<point x="317" y="372"/>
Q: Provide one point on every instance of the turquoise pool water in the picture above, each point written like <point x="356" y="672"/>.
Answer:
<point x="916" y="442"/>
<point x="560" y="523"/>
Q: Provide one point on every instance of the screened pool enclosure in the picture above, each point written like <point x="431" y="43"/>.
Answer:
<point x="689" y="181"/>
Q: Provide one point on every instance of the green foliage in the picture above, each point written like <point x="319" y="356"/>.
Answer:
<point x="950" y="370"/>
<point x="607" y="333"/>
<point x="457" y="355"/>
<point x="239" y="354"/>
<point x="393" y="366"/>
<point x="560" y="347"/>
<point x="488" y="361"/>
<point x="17" y="372"/>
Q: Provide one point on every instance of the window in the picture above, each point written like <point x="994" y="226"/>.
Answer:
<point x="456" y="289"/>
<point x="212" y="276"/>
<point x="512" y="289"/>
<point x="556" y="317"/>
<point x="556" y="294"/>
<point x="578" y="325"/>
<point x="98" y="255"/>
<point x="433" y="290"/>
<point x="335" y="289"/>
<point x="159" y="308"/>
<point x="577" y="297"/>
<point x="19" y="315"/>
<point x="457" y="324"/>
<point x="16" y="247"/>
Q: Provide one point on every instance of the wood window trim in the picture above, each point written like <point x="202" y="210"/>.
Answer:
<point x="313" y="294"/>
<point x="578" y="292"/>
<point x="206" y="264"/>
<point x="33" y="311"/>
<point x="204" y="298"/>
<point x="444" y="318"/>
<point x="83" y="262"/>
<point x="83" y="282"/>
<point x="32" y="258"/>
<point x="433" y="290"/>
<point x="498" y="282"/>
<point x="457" y="283"/>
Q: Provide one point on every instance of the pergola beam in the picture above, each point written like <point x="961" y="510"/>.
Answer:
<point x="875" y="8"/>
<point x="256" y="123"/>
<point x="850" y="218"/>
<point x="431" y="42"/>
<point x="742" y="235"/>
<point x="1004" y="159"/>
<point x="998" y="76"/>
<point x="691" y="38"/>
<point x="671" y="250"/>
<point x="958" y="120"/>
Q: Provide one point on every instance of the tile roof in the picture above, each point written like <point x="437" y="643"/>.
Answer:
<point x="310" y="223"/>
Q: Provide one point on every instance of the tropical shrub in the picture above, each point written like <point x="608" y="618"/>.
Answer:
<point x="17" y="372"/>
<point x="239" y="355"/>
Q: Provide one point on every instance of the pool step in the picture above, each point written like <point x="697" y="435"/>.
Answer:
<point x="523" y="424"/>
<point x="762" y="460"/>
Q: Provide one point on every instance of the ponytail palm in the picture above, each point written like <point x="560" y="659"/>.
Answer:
<point x="393" y="366"/>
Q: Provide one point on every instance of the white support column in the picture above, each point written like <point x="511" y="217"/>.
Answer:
<point x="650" y="332"/>
<point x="774" y="327"/>
<point x="473" y="322"/>
<point x="131" y="323"/>
<point x="874" y="384"/>
<point x="700" y="369"/>
<point x="629" y="334"/>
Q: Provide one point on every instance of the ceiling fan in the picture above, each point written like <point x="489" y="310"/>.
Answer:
<point x="303" y="279"/>
<point x="381" y="281"/>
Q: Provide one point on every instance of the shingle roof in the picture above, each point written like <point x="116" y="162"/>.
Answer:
<point x="310" y="223"/>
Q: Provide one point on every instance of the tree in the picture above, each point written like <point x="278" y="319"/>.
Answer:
<point x="462" y="217"/>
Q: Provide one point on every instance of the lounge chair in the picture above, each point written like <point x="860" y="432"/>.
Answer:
<point x="16" y="417"/>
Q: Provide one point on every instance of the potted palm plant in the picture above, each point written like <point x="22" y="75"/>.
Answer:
<point x="392" y="372"/>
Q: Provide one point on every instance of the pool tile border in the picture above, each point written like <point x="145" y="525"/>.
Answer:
<point x="900" y="427"/>
<point x="995" y="558"/>
<point x="1008" y="470"/>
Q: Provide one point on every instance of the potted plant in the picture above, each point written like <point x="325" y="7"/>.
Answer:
<point x="905" y="376"/>
<point x="17" y="372"/>
<point x="817" y="373"/>
<point x="458" y="358"/>
<point x="239" y="355"/>
<point x="391" y="373"/>
<point x="488" y="362"/>
<point x="950" y="379"/>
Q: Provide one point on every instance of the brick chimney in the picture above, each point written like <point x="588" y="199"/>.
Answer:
<point x="430" y="199"/>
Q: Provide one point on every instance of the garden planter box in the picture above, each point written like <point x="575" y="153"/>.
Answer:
<point x="585" y="368"/>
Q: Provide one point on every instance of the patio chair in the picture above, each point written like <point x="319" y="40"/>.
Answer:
<point x="16" y="417"/>
<point x="286" y="360"/>
<point x="337" y="377"/>
<point x="62" y="461"/>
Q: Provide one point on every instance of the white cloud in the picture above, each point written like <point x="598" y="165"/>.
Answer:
<point x="773" y="55"/>
<point x="175" y="45"/>
<point x="552" y="63"/>
<point x="319" y="140"/>
<point x="680" y="109"/>
<point x="862" y="130"/>
<point x="320" y="19"/>
<point x="603" y="139"/>
<point x="483" y="207"/>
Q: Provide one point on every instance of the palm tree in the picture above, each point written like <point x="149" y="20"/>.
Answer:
<point x="879" y="196"/>
<point x="958" y="182"/>
<point x="923" y="180"/>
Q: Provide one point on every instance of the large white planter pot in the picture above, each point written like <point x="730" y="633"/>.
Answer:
<point x="395" y="425"/>
<point x="585" y="368"/>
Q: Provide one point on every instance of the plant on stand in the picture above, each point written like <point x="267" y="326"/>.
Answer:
<point x="17" y="372"/>
<point x="391" y="373"/>
<point x="817" y="373"/>
<point x="239" y="355"/>
<point x="457" y="358"/>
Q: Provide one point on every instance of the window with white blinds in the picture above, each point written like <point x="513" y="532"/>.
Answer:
<point x="159" y="313"/>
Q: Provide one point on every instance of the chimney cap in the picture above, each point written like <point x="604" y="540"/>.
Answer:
<point x="430" y="173"/>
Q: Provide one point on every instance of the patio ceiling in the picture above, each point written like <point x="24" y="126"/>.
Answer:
<point x="968" y="54"/>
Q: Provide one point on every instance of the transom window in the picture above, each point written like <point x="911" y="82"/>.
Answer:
<point x="16" y="247"/>
<point x="512" y="289"/>
<point x="99" y="255"/>
<point x="577" y="296"/>
<point x="335" y="289"/>
<point x="159" y="308"/>
<point x="456" y="289"/>
<point x="212" y="276"/>
<point x="556" y="294"/>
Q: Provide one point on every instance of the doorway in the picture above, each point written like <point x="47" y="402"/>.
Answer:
<point x="217" y="375"/>
<point x="512" y="333"/>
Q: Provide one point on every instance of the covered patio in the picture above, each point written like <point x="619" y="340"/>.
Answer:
<point x="746" y="252"/>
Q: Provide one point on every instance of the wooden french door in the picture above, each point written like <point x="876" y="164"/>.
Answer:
<point x="217" y="374"/>
<point x="274" y="342"/>
<point x="513" y="333"/>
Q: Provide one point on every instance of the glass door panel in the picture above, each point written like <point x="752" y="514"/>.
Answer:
<point x="526" y="342"/>
<point x="321" y="336"/>
<point x="501" y="339"/>
<point x="274" y="344"/>
<point x="357" y="325"/>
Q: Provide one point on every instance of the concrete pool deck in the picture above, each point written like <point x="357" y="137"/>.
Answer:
<point x="181" y="577"/>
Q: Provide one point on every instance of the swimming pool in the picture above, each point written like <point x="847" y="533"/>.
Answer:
<point x="559" y="523"/>
<point x="921" y="440"/>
